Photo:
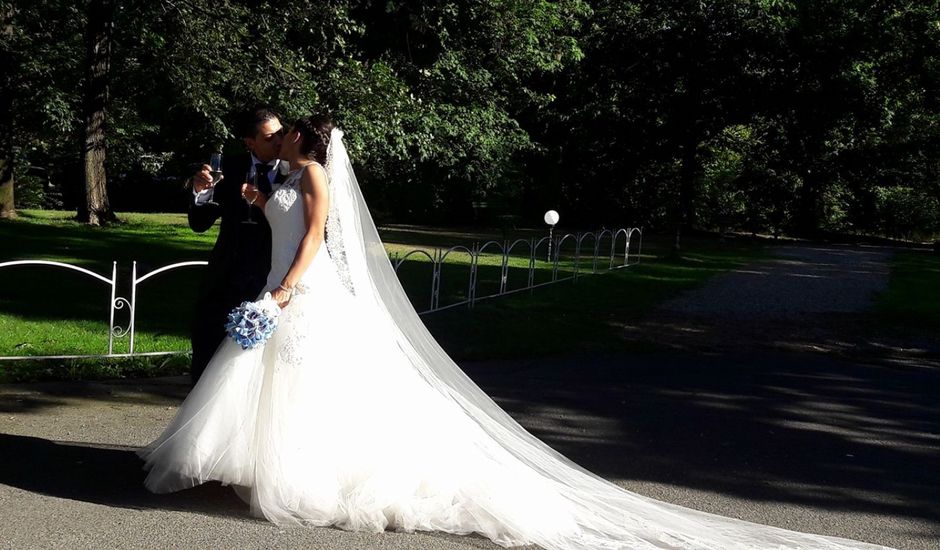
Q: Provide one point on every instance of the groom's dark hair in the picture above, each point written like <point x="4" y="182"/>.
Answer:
<point x="249" y="121"/>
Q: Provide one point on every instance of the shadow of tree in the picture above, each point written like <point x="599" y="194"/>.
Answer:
<point x="773" y="427"/>
<point x="799" y="429"/>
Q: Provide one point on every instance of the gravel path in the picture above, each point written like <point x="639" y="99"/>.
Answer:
<point x="799" y="282"/>
<point x="803" y="299"/>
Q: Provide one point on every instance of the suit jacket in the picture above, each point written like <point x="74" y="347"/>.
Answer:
<point x="241" y="258"/>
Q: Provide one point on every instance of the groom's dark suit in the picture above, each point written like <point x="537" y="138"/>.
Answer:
<point x="239" y="262"/>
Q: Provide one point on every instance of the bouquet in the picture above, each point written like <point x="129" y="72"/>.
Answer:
<point x="252" y="323"/>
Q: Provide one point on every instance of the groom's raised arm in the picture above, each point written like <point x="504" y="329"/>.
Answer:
<point x="203" y="210"/>
<point x="202" y="216"/>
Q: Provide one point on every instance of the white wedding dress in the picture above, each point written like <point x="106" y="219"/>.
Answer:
<point x="352" y="416"/>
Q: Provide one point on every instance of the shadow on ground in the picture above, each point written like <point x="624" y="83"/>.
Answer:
<point x="804" y="429"/>
<point x="43" y="396"/>
<point x="101" y="475"/>
<point x="770" y="427"/>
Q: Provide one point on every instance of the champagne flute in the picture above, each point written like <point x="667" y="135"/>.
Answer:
<point x="215" y="170"/>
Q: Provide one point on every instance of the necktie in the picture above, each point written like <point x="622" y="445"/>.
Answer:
<point x="261" y="178"/>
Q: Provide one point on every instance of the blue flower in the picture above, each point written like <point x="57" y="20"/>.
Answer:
<point x="252" y="323"/>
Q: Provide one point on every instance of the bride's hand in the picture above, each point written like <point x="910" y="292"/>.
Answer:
<point x="281" y="296"/>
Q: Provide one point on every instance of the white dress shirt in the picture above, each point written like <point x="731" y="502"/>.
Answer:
<point x="204" y="196"/>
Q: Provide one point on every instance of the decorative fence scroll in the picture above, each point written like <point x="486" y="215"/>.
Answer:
<point x="115" y="303"/>
<point x="571" y="256"/>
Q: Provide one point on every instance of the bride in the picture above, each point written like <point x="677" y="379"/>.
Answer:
<point x="351" y="415"/>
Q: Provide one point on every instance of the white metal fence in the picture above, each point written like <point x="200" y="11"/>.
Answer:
<point x="601" y="259"/>
<point x="570" y="256"/>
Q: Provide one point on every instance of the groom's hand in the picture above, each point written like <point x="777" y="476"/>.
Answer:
<point x="202" y="179"/>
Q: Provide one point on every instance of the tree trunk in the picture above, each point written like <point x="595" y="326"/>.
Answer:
<point x="688" y="176"/>
<point x="809" y="217"/>
<point x="97" y="210"/>
<point x="690" y="111"/>
<point x="7" y="207"/>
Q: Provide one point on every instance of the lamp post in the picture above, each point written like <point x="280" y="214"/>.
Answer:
<point x="551" y="218"/>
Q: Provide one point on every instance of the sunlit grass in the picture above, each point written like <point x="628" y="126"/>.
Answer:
<point x="591" y="314"/>
<point x="50" y="311"/>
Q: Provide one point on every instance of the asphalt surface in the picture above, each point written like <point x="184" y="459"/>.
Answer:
<point x="805" y="441"/>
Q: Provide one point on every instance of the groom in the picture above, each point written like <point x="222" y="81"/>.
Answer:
<point x="241" y="258"/>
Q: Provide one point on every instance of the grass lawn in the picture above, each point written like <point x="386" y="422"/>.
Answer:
<point x="912" y="300"/>
<point x="51" y="311"/>
<point x="589" y="315"/>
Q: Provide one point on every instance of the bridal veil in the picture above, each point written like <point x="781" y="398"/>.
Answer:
<point x="607" y="515"/>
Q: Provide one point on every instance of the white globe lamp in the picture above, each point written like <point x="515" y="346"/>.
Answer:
<point x="551" y="218"/>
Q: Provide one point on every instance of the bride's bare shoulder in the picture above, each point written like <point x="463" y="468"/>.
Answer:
<point x="314" y="168"/>
<point x="313" y="175"/>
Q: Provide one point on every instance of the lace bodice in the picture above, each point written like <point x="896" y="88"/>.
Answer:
<point x="285" y="213"/>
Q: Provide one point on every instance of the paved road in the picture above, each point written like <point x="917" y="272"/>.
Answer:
<point x="802" y="441"/>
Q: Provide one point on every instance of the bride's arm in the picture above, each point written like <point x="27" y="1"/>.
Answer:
<point x="315" y="196"/>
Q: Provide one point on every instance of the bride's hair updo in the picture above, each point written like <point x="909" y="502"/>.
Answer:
<point x="314" y="136"/>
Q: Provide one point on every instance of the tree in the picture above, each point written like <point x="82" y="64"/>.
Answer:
<point x="657" y="82"/>
<point x="7" y="208"/>
<point x="774" y="114"/>
<point x="446" y="86"/>
<point x="785" y="114"/>
<point x="430" y="96"/>
<point x="97" y="209"/>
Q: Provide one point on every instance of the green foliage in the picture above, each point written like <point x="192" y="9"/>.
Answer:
<point x="426" y="93"/>
<point x="724" y="201"/>
<point x="431" y="102"/>
<point x="762" y="115"/>
<point x="29" y="192"/>
<point x="907" y="212"/>
<point x="757" y="115"/>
